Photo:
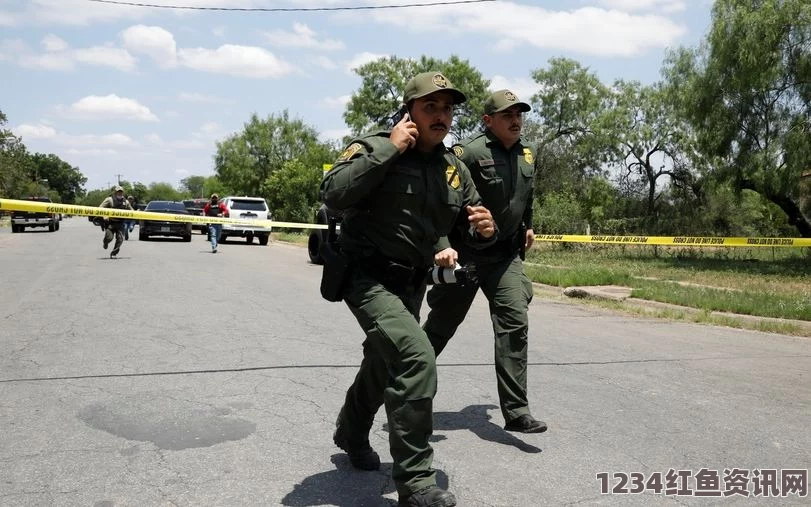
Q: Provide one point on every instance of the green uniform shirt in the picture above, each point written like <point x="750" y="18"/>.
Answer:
<point x="504" y="179"/>
<point x="399" y="205"/>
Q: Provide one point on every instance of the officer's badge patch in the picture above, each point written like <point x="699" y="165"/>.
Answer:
<point x="350" y="151"/>
<point x="528" y="155"/>
<point x="458" y="151"/>
<point x="453" y="177"/>
<point x="510" y="96"/>
<point x="440" y="81"/>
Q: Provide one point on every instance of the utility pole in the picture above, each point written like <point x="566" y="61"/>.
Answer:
<point x="119" y="177"/>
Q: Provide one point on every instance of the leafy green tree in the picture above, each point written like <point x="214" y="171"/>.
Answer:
<point x="383" y="82"/>
<point x="15" y="163"/>
<point x="648" y="141"/>
<point x="65" y="180"/>
<point x="193" y="186"/>
<point x="244" y="161"/>
<point x="751" y="93"/>
<point x="559" y="213"/>
<point x="566" y="125"/>
<point x="161" y="191"/>
<point x="293" y="192"/>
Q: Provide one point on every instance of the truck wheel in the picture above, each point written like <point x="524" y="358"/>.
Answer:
<point x="314" y="248"/>
<point x="263" y="239"/>
<point x="249" y="238"/>
<point x="187" y="239"/>
<point x="15" y="228"/>
<point x="57" y="225"/>
<point x="51" y="227"/>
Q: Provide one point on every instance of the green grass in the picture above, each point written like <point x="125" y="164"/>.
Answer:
<point x="298" y="238"/>
<point x="763" y="282"/>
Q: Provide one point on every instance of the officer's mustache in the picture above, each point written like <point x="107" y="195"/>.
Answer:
<point x="439" y="124"/>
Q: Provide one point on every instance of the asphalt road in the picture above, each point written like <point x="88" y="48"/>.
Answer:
<point x="172" y="376"/>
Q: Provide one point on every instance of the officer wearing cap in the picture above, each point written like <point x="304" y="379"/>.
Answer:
<point x="114" y="226"/>
<point x="502" y="166"/>
<point x="400" y="191"/>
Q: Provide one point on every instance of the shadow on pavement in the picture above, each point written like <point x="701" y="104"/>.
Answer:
<point x="347" y="487"/>
<point x="476" y="419"/>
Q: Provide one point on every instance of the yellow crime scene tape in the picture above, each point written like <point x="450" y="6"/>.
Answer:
<point x="702" y="241"/>
<point x="92" y="211"/>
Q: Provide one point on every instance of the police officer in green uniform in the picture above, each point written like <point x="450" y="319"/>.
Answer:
<point x="400" y="190"/>
<point x="114" y="227"/>
<point x="502" y="167"/>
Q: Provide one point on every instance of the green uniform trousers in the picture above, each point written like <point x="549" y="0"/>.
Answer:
<point x="114" y="230"/>
<point x="398" y="369"/>
<point x="509" y="292"/>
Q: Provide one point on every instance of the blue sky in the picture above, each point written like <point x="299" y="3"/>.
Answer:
<point x="145" y="93"/>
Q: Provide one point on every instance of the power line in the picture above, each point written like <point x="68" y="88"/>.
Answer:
<point x="290" y="9"/>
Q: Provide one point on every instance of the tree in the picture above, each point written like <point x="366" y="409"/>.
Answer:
<point x="647" y="140"/>
<point x="293" y="191"/>
<point x="64" y="179"/>
<point x="245" y="160"/>
<point x="565" y="126"/>
<point x="193" y="185"/>
<point x="751" y="89"/>
<point x="15" y="163"/>
<point x="383" y="82"/>
<point x="160" y="191"/>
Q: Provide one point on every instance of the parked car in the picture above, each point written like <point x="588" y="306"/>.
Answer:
<point x="319" y="236"/>
<point x="251" y="208"/>
<point x="195" y="207"/>
<point x="149" y="228"/>
<point x="22" y="219"/>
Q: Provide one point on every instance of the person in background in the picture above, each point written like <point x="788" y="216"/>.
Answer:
<point x="214" y="208"/>
<point x="114" y="227"/>
<point x="502" y="166"/>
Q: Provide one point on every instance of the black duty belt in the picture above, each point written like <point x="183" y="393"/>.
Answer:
<point x="393" y="274"/>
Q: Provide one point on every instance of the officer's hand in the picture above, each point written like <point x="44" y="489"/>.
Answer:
<point x="530" y="239"/>
<point x="482" y="220"/>
<point x="446" y="258"/>
<point x="404" y="135"/>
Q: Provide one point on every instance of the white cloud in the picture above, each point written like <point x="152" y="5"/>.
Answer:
<point x="337" y="102"/>
<point x="40" y="131"/>
<point x="244" y="61"/>
<point x="53" y="43"/>
<point x="524" y="88"/>
<point x="153" y="41"/>
<point x="361" y="58"/>
<point x="324" y="62"/>
<point x="59" y="57"/>
<point x="587" y="30"/>
<point x="210" y="128"/>
<point x="202" y="98"/>
<point x="105" y="56"/>
<point x="109" y="107"/>
<point x="169" y="146"/>
<point x="8" y="19"/>
<point x="302" y="36"/>
<point x="644" y="5"/>
<point x="218" y="31"/>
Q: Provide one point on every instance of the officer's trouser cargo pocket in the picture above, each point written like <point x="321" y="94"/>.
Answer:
<point x="337" y="270"/>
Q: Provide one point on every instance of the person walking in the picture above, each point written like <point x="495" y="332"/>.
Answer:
<point x="214" y="208"/>
<point x="400" y="191"/>
<point x="502" y="165"/>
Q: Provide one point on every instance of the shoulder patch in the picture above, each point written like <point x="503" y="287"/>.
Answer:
<point x="452" y="177"/>
<point x="486" y="162"/>
<point x="458" y="151"/>
<point x="528" y="155"/>
<point x="350" y="151"/>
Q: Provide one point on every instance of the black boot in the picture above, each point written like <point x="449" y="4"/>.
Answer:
<point x="525" y="424"/>
<point x="432" y="496"/>
<point x="361" y="454"/>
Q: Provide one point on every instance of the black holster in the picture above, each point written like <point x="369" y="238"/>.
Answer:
<point x="337" y="266"/>
<point x="392" y="274"/>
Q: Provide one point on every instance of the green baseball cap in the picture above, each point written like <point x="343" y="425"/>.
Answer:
<point x="504" y="99"/>
<point x="427" y="83"/>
